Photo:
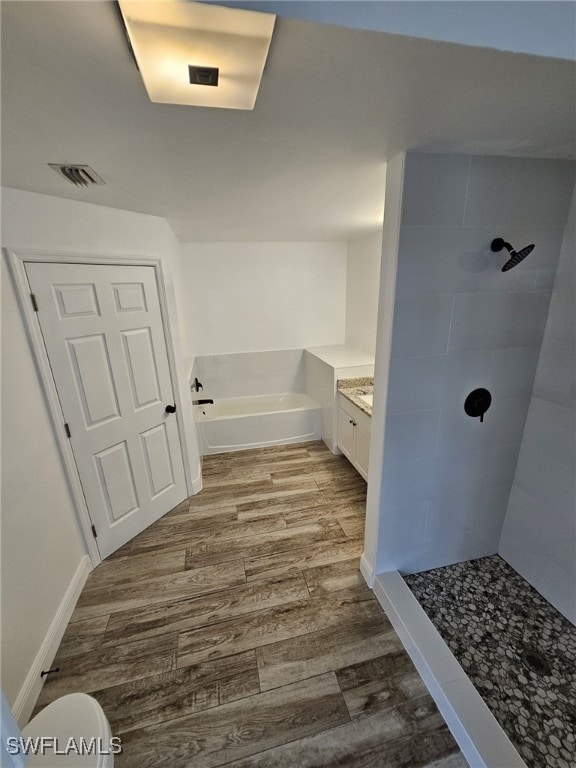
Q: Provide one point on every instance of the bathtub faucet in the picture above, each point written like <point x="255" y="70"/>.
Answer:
<point x="202" y="402"/>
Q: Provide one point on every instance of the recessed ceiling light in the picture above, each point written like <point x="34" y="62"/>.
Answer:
<point x="179" y="44"/>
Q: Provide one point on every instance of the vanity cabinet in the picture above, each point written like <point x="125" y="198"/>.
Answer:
<point x="354" y="435"/>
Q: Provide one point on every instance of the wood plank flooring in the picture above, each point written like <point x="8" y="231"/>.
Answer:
<point x="237" y="630"/>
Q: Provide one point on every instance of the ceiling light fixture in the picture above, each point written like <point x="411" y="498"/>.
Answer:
<point x="179" y="46"/>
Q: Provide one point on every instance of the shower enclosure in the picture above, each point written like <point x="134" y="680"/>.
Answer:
<point x="486" y="481"/>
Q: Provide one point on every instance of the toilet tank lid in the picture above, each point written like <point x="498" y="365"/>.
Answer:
<point x="73" y="716"/>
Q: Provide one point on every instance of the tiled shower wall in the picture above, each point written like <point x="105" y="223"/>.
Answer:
<point x="461" y="323"/>
<point x="539" y="534"/>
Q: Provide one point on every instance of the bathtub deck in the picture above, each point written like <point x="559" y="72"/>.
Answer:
<point x="237" y="630"/>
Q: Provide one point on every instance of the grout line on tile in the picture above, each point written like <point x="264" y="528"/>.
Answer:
<point x="502" y="292"/>
<point x="427" y="518"/>
<point x="415" y="410"/>
<point x="450" y="325"/>
<point x="464" y="211"/>
<point x="437" y="440"/>
<point x="490" y="366"/>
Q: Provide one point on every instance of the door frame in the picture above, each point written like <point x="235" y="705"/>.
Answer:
<point x="17" y="259"/>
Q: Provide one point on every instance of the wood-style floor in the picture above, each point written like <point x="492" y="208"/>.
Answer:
<point x="237" y="630"/>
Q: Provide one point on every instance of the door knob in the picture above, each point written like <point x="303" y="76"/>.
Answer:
<point x="170" y="409"/>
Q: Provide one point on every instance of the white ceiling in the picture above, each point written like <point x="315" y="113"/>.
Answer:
<point x="306" y="164"/>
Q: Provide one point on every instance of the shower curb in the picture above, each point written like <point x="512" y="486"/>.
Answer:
<point x="477" y="732"/>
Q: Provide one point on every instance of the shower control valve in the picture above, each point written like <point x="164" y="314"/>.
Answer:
<point x="477" y="403"/>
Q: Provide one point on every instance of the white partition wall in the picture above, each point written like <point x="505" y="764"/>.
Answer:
<point x="389" y="263"/>
<point x="461" y="323"/>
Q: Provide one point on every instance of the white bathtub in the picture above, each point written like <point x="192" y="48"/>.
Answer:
<point x="239" y="423"/>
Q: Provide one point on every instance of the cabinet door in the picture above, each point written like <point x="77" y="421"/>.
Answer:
<point x="346" y="430"/>
<point x="362" y="451"/>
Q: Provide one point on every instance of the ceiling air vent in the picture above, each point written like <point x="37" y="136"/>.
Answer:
<point x="79" y="175"/>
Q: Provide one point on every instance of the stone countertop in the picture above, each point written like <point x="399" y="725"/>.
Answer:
<point x="352" y="389"/>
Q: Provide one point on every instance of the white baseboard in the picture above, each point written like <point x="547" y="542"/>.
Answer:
<point x="367" y="571"/>
<point x="28" y="695"/>
<point x="196" y="485"/>
<point x="479" y="735"/>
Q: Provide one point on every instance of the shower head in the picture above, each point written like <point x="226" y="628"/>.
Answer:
<point x="515" y="256"/>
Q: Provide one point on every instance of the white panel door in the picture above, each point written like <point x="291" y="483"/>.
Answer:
<point x="103" y="332"/>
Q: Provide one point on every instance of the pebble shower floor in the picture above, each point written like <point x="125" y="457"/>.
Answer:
<point x="519" y="652"/>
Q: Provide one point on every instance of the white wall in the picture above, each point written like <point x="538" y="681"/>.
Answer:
<point x="539" y="533"/>
<point x="461" y="323"/>
<point x="362" y="291"/>
<point x="249" y="297"/>
<point x="41" y="543"/>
